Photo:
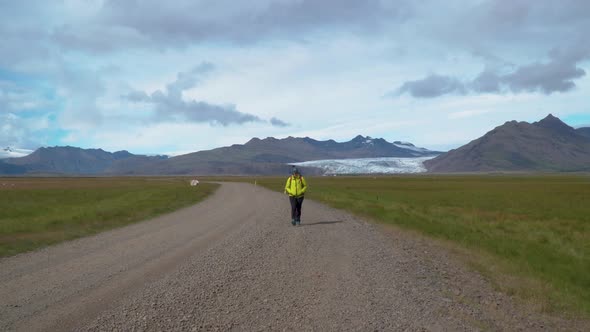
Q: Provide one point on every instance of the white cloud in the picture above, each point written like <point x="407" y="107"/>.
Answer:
<point x="10" y="152"/>
<point x="467" y="114"/>
<point x="321" y="66"/>
<point x="17" y="132"/>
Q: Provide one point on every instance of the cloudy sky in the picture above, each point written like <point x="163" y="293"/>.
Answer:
<point x="178" y="76"/>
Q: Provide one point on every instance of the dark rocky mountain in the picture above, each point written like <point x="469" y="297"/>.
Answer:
<point x="270" y="156"/>
<point x="66" y="160"/>
<point x="546" y="145"/>
<point x="585" y="131"/>
<point x="258" y="156"/>
<point x="9" y="169"/>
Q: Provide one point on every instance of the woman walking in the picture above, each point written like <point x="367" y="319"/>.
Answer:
<point x="295" y="188"/>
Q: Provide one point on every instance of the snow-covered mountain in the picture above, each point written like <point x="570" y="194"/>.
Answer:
<point x="268" y="156"/>
<point x="9" y="152"/>
<point x="385" y="165"/>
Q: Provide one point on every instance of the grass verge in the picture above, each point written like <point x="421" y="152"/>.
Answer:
<point x="36" y="212"/>
<point x="529" y="234"/>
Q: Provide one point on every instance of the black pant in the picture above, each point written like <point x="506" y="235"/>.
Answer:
<point x="296" y="203"/>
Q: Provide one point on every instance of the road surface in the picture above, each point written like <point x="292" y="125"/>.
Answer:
<point x="234" y="262"/>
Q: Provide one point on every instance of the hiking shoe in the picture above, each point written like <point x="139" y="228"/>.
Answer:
<point x="298" y="222"/>
<point x="293" y="222"/>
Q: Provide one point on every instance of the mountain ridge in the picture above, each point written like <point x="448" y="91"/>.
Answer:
<point x="257" y="156"/>
<point x="548" y="145"/>
<point x="66" y="160"/>
<point x="270" y="155"/>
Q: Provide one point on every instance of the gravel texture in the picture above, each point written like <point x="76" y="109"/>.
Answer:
<point x="234" y="262"/>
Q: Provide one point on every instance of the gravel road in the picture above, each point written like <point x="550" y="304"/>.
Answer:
<point x="234" y="262"/>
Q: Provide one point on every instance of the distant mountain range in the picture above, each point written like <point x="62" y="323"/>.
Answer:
<point x="69" y="160"/>
<point x="548" y="145"/>
<point x="258" y="156"/>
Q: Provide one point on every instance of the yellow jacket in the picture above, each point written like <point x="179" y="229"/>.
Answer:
<point x="295" y="186"/>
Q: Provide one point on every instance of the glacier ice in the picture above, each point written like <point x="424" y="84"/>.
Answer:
<point x="385" y="165"/>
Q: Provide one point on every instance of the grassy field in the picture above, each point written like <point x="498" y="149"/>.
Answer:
<point x="529" y="234"/>
<point x="36" y="212"/>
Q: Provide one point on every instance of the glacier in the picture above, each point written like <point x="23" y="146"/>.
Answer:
<point x="9" y="152"/>
<point x="384" y="165"/>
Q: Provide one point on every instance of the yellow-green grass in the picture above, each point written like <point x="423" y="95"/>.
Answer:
<point x="36" y="212"/>
<point x="529" y="234"/>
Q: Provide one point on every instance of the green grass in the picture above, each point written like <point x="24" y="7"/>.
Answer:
<point x="529" y="234"/>
<point x="36" y="212"/>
